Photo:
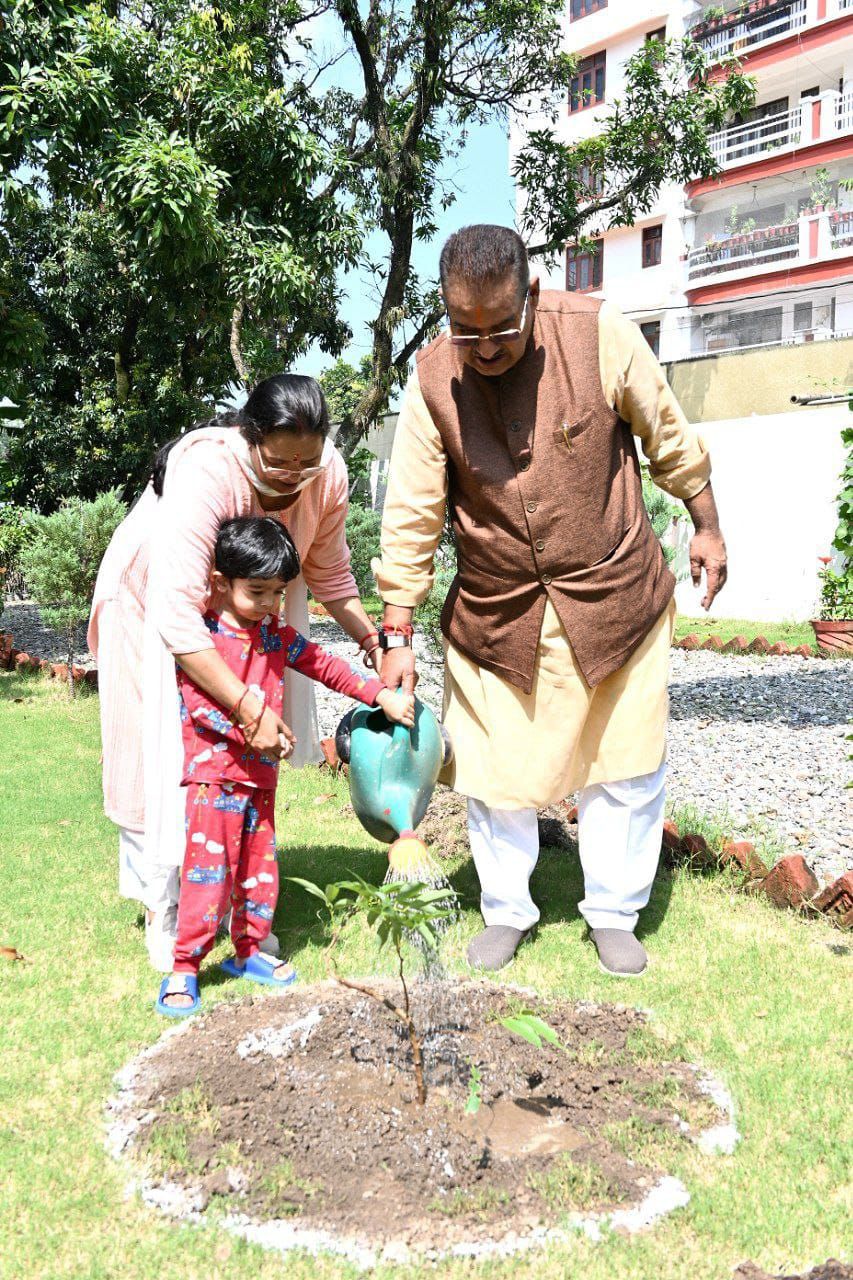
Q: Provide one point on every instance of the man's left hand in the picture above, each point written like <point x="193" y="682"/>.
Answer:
<point x="708" y="552"/>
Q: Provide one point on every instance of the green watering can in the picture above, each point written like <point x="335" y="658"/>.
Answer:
<point x="392" y="770"/>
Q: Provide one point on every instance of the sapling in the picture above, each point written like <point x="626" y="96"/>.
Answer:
<point x="396" y="910"/>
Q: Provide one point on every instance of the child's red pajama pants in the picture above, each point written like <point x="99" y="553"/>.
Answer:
<point x="230" y="858"/>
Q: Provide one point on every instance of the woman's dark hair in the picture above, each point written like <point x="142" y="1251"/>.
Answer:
<point x="483" y="254"/>
<point x="287" y="402"/>
<point x="256" y="547"/>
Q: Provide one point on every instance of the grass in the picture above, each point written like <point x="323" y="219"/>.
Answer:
<point x="761" y="997"/>
<point x="479" y="1205"/>
<point x="571" y="1184"/>
<point x="793" y="633"/>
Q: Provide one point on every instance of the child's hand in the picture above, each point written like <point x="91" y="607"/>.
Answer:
<point x="399" y="707"/>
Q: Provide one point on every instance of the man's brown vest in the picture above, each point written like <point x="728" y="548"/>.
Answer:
<point x="545" y="496"/>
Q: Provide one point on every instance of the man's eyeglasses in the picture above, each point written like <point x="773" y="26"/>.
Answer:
<point x="471" y="339"/>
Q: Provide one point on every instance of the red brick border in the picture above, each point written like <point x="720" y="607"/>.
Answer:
<point x="790" y="884"/>
<point x="12" y="659"/>
<point x="740" y="644"/>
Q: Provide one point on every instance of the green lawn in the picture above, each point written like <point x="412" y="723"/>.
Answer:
<point x="757" y="995"/>
<point x="793" y="633"/>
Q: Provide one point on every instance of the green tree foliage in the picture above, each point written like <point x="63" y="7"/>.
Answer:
<point x="362" y="528"/>
<point x="430" y="69"/>
<point x="60" y="560"/>
<point x="168" y="230"/>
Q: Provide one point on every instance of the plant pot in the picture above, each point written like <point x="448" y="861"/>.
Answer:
<point x="833" y="635"/>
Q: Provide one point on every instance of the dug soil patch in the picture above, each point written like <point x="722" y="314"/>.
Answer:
<point x="301" y="1107"/>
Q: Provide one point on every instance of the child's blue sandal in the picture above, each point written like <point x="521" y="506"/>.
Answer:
<point x="258" y="968"/>
<point x="179" y="984"/>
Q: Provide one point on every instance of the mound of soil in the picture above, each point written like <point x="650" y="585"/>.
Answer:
<point x="303" y="1107"/>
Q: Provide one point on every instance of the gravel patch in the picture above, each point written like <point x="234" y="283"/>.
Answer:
<point x="33" y="636"/>
<point x="756" y="742"/>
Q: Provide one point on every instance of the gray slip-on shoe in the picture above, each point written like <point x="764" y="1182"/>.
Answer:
<point x="496" y="946"/>
<point x="619" y="953"/>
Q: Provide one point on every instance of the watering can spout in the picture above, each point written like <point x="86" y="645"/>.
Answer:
<point x="392" y="770"/>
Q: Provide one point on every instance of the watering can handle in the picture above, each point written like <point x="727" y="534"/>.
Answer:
<point x="401" y="733"/>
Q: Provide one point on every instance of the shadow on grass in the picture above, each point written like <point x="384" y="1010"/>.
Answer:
<point x="556" y="886"/>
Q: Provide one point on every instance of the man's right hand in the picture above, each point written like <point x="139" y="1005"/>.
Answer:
<point x="398" y="669"/>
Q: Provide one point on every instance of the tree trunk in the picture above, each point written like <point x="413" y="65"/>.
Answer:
<point x="71" y="690"/>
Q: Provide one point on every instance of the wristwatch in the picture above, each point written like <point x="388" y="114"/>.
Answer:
<point x="395" y="637"/>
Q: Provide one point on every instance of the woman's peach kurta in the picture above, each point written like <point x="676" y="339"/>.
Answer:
<point x="171" y="540"/>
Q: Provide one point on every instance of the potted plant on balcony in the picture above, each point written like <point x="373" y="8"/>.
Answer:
<point x="834" y="628"/>
<point x="820" y="192"/>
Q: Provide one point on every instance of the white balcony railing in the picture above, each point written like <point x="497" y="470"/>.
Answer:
<point x="841" y="229"/>
<point x="750" y="141"/>
<point x="844" y="108"/>
<point x="750" y="251"/>
<point x="827" y="115"/>
<point x="756" y="27"/>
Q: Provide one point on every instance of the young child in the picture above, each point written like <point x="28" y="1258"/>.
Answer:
<point x="231" y="849"/>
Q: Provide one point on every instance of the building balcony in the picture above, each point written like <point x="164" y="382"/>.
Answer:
<point x="821" y="118"/>
<point x="815" y="236"/>
<point x="751" y="25"/>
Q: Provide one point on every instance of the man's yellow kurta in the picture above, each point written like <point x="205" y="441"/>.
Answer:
<point x="514" y="749"/>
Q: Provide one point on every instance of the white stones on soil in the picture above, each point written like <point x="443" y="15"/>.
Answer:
<point x="184" y="1203"/>
<point x="278" y="1042"/>
<point x="720" y="1139"/>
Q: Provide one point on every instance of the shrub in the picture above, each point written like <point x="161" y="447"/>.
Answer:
<point x="15" y="533"/>
<point x="362" y="529"/>
<point x="61" y="560"/>
<point x="662" y="511"/>
<point x="428" y="613"/>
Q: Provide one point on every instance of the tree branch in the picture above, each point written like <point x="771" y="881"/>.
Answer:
<point x="235" y="343"/>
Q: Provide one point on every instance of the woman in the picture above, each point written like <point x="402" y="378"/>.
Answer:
<point x="270" y="457"/>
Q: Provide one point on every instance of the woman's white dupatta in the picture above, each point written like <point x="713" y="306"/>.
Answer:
<point x="162" y="749"/>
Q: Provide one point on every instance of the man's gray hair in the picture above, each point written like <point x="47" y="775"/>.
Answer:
<point x="485" y="254"/>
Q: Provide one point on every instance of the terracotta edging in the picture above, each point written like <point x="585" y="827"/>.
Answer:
<point x="740" y="644"/>
<point x="789" y="884"/>
<point x="12" y="659"/>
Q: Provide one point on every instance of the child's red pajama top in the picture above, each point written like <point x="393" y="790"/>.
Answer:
<point x="214" y="749"/>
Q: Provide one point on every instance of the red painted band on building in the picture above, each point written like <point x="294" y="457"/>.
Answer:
<point x="810" y="273"/>
<point x="816" y="154"/>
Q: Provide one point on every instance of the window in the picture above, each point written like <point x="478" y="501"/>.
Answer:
<point x="580" y="8"/>
<point x="802" y="316"/>
<point x="584" y="268"/>
<point x="588" y="82"/>
<point x="651" y="332"/>
<point x="591" y="180"/>
<point x="658" y="34"/>
<point x="652" y="241"/>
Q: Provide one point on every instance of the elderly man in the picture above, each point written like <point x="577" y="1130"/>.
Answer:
<point x="521" y="417"/>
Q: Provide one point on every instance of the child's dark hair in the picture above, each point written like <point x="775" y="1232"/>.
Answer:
<point x="256" y="547"/>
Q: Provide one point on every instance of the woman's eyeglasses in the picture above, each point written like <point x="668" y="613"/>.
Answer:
<point x="285" y="474"/>
<point x="504" y="335"/>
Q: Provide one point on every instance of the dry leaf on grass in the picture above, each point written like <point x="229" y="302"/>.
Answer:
<point x="64" y="822"/>
<point x="10" y="953"/>
<point x="327" y="795"/>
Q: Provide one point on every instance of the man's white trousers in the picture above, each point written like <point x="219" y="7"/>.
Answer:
<point x="620" y="825"/>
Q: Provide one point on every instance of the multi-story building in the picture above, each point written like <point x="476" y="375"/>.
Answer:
<point x="742" y="283"/>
